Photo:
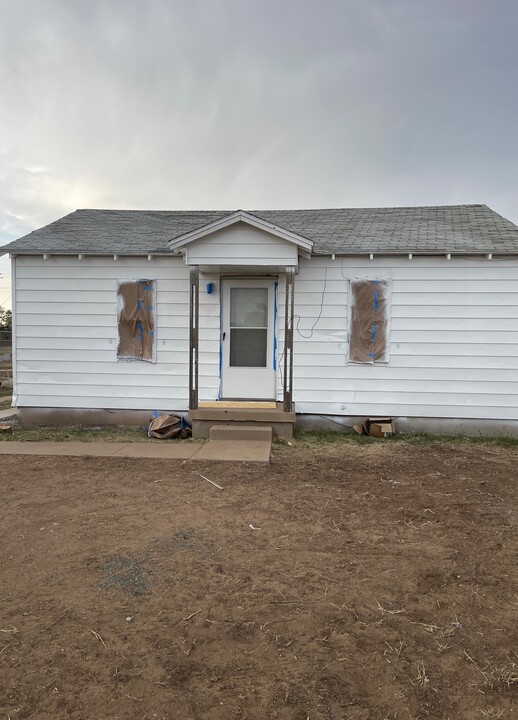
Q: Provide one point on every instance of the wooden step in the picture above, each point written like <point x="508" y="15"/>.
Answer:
<point x="205" y="418"/>
<point x="239" y="404"/>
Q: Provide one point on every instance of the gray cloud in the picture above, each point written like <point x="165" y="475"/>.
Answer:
<point x="240" y="103"/>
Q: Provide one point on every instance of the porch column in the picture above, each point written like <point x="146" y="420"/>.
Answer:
<point x="289" y="316"/>
<point x="194" y="314"/>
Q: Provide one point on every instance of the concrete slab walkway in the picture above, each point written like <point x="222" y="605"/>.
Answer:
<point x="168" y="450"/>
<point x="8" y="413"/>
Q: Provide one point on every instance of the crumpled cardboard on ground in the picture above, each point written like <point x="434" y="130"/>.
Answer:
<point x="165" y="427"/>
<point x="376" y="427"/>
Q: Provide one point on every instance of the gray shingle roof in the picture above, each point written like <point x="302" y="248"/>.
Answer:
<point x="434" y="229"/>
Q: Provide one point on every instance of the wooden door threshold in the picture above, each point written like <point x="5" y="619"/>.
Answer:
<point x="240" y="404"/>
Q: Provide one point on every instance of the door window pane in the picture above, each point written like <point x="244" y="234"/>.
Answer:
<point x="248" y="307"/>
<point x="248" y="347"/>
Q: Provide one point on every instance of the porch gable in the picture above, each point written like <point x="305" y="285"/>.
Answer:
<point x="241" y="239"/>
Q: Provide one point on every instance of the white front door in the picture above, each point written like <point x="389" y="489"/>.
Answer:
<point x="248" y="338"/>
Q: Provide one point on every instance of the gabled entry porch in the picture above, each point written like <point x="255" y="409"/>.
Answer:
<point x="249" y="356"/>
<point x="252" y="264"/>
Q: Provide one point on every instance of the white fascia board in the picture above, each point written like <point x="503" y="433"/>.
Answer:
<point x="419" y="253"/>
<point x="241" y="216"/>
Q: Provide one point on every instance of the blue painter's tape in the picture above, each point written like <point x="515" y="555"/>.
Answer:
<point x="139" y="304"/>
<point x="373" y="333"/>
<point x="376" y="299"/>
<point x="151" y="332"/>
<point x="139" y="328"/>
<point x="155" y="413"/>
<point x="275" y="326"/>
<point x="373" y="355"/>
<point x="150" y="308"/>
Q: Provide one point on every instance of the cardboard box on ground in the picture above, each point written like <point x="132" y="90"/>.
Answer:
<point x="376" y="427"/>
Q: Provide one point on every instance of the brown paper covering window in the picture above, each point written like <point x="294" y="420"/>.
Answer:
<point x="368" y="334"/>
<point x="136" y="320"/>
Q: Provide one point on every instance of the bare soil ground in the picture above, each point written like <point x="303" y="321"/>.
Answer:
<point x="344" y="581"/>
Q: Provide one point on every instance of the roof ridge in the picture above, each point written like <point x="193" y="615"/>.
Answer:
<point x="145" y="210"/>
<point x="378" y="207"/>
<point x="285" y="209"/>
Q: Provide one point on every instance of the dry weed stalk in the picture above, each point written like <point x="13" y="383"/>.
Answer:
<point x="390" y="612"/>
<point x="509" y="674"/>
<point x="502" y="675"/>
<point x="12" y="629"/>
<point x="422" y="677"/>
<point x="396" y="651"/>
<point x="442" y="632"/>
<point x="98" y="637"/>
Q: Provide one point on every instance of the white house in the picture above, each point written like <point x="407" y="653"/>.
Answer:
<point x="333" y="315"/>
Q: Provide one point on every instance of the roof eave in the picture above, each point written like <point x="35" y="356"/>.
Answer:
<point x="92" y="253"/>
<point x="414" y="253"/>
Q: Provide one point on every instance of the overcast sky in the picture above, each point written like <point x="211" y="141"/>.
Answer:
<point x="181" y="104"/>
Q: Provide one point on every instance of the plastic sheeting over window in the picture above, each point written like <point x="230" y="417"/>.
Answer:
<point x="368" y="337"/>
<point x="136" y="300"/>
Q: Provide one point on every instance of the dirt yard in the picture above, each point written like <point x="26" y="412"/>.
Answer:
<point x="345" y="581"/>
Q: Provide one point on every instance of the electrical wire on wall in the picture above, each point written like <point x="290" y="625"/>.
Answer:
<point x="308" y="337"/>
<point x="312" y="329"/>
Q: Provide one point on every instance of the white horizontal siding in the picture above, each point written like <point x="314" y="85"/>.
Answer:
<point x="403" y="287"/>
<point x="50" y="308"/>
<point x="165" y="334"/>
<point x="105" y="319"/>
<point x="242" y="244"/>
<point x="453" y="339"/>
<point x="170" y="357"/>
<point x="66" y="335"/>
<point x="161" y="398"/>
<point x="97" y="268"/>
<point x="108" y="344"/>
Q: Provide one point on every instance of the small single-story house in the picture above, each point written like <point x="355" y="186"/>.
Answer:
<point x="410" y="313"/>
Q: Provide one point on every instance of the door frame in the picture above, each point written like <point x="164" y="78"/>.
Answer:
<point x="226" y="282"/>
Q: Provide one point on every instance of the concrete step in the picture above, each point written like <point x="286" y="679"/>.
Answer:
<point x="241" y="433"/>
<point x="257" y="451"/>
